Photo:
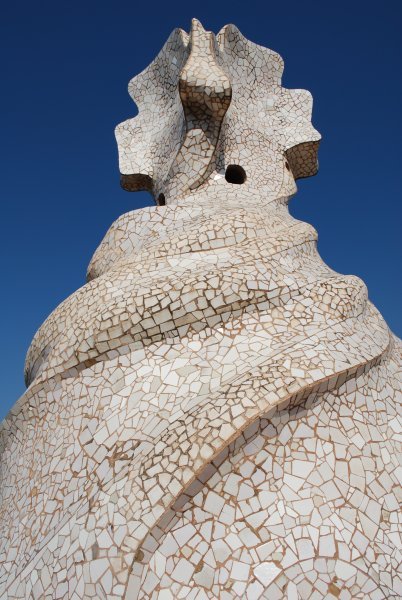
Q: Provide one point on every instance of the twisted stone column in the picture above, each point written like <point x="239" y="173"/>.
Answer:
<point x="215" y="413"/>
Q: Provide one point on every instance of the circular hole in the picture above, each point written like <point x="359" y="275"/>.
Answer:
<point x="161" y="200"/>
<point x="235" y="174"/>
<point x="287" y="165"/>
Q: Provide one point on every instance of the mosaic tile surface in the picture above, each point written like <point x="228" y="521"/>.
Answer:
<point x="216" y="413"/>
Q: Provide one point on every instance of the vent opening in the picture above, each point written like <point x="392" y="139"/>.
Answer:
<point x="235" y="174"/>
<point x="161" y="200"/>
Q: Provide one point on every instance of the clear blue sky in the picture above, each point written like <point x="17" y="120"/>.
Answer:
<point x="64" y="78"/>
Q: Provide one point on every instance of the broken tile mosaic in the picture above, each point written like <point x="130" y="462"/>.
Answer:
<point x="216" y="413"/>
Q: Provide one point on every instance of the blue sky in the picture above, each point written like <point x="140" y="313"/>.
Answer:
<point x="64" y="76"/>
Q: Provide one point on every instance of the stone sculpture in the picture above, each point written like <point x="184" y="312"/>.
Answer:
<point x="214" y="414"/>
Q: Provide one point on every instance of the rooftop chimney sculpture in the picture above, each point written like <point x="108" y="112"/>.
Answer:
<point x="214" y="414"/>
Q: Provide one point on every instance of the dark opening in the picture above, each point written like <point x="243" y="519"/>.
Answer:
<point x="235" y="174"/>
<point x="160" y="201"/>
<point x="287" y="165"/>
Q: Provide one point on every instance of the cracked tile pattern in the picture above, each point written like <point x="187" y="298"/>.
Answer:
<point x="298" y="506"/>
<point x="216" y="413"/>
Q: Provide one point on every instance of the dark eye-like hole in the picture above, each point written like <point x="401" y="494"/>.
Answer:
<point x="235" y="174"/>
<point x="161" y="201"/>
<point x="287" y="165"/>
